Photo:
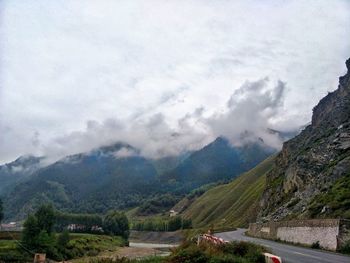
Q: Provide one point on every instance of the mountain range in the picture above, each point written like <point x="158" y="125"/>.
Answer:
<point x="118" y="177"/>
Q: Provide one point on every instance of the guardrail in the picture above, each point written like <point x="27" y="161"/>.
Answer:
<point x="211" y="239"/>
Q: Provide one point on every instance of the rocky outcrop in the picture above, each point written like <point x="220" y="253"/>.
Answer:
<point x="311" y="164"/>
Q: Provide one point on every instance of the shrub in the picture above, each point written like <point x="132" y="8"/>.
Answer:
<point x="190" y="254"/>
<point x="345" y="248"/>
<point x="116" y="223"/>
<point x="316" y="245"/>
<point x="243" y="252"/>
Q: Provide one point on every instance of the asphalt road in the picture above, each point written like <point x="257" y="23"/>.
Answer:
<point x="288" y="253"/>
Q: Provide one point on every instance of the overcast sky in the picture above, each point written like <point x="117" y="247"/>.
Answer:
<point x="164" y="76"/>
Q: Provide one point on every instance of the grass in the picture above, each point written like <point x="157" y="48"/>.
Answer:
<point x="78" y="246"/>
<point x="231" y="205"/>
<point x="9" y="252"/>
<point x="189" y="252"/>
<point x="337" y="199"/>
<point x="91" y="245"/>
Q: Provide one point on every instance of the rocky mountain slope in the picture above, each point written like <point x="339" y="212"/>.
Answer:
<point x="311" y="175"/>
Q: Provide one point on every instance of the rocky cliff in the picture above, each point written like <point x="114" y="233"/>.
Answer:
<point x="311" y="176"/>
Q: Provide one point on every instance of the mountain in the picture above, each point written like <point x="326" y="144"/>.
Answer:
<point x="109" y="177"/>
<point x="166" y="164"/>
<point x="16" y="171"/>
<point x="229" y="205"/>
<point x="311" y="176"/>
<point x="117" y="177"/>
<point x="218" y="161"/>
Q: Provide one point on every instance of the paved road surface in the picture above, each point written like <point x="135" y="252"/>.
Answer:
<point x="288" y="253"/>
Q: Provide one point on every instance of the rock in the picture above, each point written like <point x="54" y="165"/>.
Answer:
<point x="313" y="160"/>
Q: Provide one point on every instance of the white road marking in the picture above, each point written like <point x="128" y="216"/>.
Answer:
<point x="306" y="255"/>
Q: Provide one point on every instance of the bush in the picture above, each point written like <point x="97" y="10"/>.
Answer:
<point x="316" y="245"/>
<point x="345" y="248"/>
<point x="126" y="260"/>
<point x="243" y="252"/>
<point x="116" y="223"/>
<point x="189" y="254"/>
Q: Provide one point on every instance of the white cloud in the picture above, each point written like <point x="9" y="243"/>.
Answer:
<point x="65" y="63"/>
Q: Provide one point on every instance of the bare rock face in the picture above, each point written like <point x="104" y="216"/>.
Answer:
<point x="312" y="162"/>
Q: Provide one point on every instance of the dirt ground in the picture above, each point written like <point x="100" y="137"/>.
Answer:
<point x="129" y="252"/>
<point x="156" y="237"/>
<point x="142" y="244"/>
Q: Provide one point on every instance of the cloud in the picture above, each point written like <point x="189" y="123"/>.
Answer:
<point x="247" y="118"/>
<point x="250" y="112"/>
<point x="78" y="74"/>
<point x="125" y="152"/>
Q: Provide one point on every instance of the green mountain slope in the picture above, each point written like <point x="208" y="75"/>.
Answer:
<point x="218" y="161"/>
<point x="92" y="182"/>
<point x="230" y="205"/>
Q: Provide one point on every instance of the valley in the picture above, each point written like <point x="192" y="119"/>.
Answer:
<point x="174" y="131"/>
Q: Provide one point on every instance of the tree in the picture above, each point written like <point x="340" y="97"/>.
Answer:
<point x="46" y="243"/>
<point x="63" y="240"/>
<point x="46" y="218"/>
<point x="1" y="213"/>
<point x="174" y="223"/>
<point x="37" y="230"/>
<point x="116" y="223"/>
<point x="30" y="232"/>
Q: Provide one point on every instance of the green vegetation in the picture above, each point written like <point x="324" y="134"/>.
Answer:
<point x="336" y="200"/>
<point x="116" y="223"/>
<point x="37" y="231"/>
<point x="1" y="213"/>
<point x="38" y="235"/>
<point x="67" y="246"/>
<point x="242" y="252"/>
<point x="91" y="245"/>
<point x="158" y="224"/>
<point x="201" y="190"/>
<point x="9" y="252"/>
<point x="233" y="204"/>
<point x="316" y="245"/>
<point x="125" y="260"/>
<point x="345" y="248"/>
<point x="189" y="252"/>
<point x="87" y="220"/>
<point x="157" y="204"/>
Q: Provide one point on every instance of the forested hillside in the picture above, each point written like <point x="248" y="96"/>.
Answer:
<point x="118" y="177"/>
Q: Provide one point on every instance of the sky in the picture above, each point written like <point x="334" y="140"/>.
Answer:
<point x="164" y="76"/>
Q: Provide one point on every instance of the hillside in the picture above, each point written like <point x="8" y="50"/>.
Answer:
<point x="118" y="177"/>
<point x="229" y="205"/>
<point x="90" y="182"/>
<point x="218" y="161"/>
<point x="311" y="174"/>
<point x="16" y="171"/>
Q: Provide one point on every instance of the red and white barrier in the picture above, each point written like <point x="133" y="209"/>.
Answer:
<point x="212" y="239"/>
<point x="269" y="258"/>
